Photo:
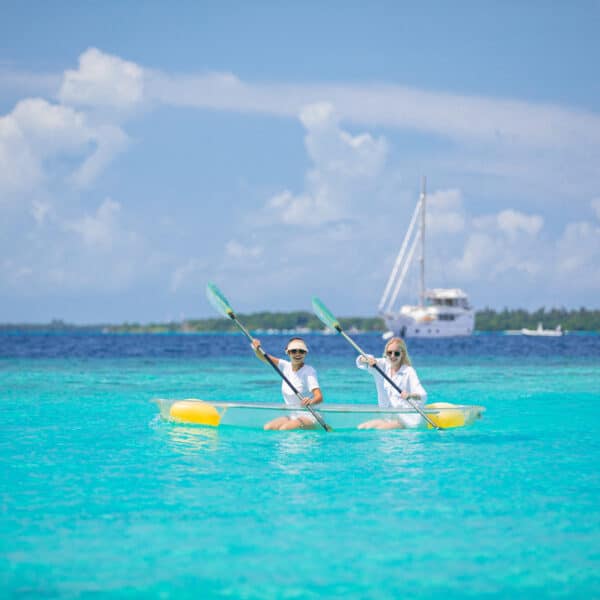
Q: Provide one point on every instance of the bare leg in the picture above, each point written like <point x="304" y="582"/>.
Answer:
<point x="276" y="424"/>
<point x="389" y="425"/>
<point x="368" y="424"/>
<point x="380" y="424"/>
<point x="297" y="423"/>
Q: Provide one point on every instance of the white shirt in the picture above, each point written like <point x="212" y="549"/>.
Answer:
<point x="405" y="378"/>
<point x="304" y="380"/>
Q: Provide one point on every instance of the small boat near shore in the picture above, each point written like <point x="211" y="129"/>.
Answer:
<point x="338" y="416"/>
<point x="541" y="332"/>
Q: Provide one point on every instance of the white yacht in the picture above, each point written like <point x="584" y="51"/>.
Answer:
<point x="441" y="312"/>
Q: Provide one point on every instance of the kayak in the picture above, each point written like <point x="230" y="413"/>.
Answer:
<point x="338" y="416"/>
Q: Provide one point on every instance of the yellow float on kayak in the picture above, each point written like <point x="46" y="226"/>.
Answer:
<point x="195" y="411"/>
<point x="339" y="416"/>
<point x="451" y="416"/>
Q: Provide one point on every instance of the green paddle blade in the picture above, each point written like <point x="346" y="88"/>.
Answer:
<point x="218" y="300"/>
<point x="325" y="315"/>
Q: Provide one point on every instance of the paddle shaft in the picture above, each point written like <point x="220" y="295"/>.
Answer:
<point x="276" y="368"/>
<point x="386" y="377"/>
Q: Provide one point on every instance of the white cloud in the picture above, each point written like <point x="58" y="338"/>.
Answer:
<point x="336" y="152"/>
<point x="468" y="118"/>
<point x="110" y="141"/>
<point x="37" y="132"/>
<point x="480" y="251"/>
<point x="500" y="243"/>
<point x="98" y="230"/>
<point x="342" y="165"/>
<point x="20" y="169"/>
<point x="513" y="222"/>
<point x="103" y="80"/>
<point x="348" y="218"/>
<point x="445" y="212"/>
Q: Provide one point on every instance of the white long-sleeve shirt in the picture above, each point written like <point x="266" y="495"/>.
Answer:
<point x="405" y="378"/>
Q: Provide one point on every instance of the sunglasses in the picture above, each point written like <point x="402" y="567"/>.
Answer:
<point x="296" y="351"/>
<point x="394" y="353"/>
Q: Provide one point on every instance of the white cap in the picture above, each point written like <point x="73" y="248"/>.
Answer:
<point x="296" y="344"/>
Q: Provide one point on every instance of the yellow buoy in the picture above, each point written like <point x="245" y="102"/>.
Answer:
<point x="195" y="411"/>
<point x="446" y="418"/>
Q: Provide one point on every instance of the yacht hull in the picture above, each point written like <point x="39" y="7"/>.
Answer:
<point x="430" y="324"/>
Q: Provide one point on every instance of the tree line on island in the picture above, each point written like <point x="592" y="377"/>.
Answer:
<point x="485" y="320"/>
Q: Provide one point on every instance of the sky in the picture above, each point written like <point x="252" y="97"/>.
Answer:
<point x="278" y="149"/>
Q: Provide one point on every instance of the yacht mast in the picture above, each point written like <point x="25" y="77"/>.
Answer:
<point x="422" y="259"/>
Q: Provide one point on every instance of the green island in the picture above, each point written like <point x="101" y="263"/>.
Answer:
<point x="488" y="319"/>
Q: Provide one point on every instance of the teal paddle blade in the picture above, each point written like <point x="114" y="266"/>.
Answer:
<point x="324" y="314"/>
<point x="217" y="299"/>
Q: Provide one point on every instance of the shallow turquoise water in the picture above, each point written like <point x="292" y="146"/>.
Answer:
<point x="99" y="497"/>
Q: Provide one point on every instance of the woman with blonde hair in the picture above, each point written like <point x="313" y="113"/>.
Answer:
<point x="397" y="366"/>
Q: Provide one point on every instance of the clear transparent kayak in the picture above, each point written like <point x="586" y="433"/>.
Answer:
<point x="338" y="416"/>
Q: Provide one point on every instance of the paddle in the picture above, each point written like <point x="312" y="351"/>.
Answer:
<point x="327" y="318"/>
<point x="218" y="300"/>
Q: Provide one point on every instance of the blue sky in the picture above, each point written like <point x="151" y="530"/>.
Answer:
<point x="277" y="149"/>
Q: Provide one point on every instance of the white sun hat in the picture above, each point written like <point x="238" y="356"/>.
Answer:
<point x="296" y="344"/>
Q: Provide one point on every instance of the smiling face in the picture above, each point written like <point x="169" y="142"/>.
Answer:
<point x="297" y="356"/>
<point x="296" y="349"/>
<point x="394" y="353"/>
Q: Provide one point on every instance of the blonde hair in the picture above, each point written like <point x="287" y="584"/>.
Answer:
<point x="405" y="360"/>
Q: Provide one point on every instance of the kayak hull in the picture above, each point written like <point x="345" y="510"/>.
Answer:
<point x="338" y="416"/>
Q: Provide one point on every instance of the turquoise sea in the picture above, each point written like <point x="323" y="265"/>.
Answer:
<point x="100" y="498"/>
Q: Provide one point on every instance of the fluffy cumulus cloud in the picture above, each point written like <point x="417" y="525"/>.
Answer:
<point x="103" y="81"/>
<point x="41" y="142"/>
<point x="501" y="243"/>
<point x="343" y="165"/>
<point x="49" y="152"/>
<point x="34" y="133"/>
<point x="76" y="138"/>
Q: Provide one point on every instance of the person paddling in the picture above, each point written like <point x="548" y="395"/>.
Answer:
<point x="397" y="366"/>
<point x="303" y="377"/>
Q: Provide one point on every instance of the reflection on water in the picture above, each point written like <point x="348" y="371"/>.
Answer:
<point x="295" y="450"/>
<point x="192" y="440"/>
<point x="187" y="439"/>
<point x="401" y="449"/>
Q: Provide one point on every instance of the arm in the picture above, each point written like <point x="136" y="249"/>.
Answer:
<point x="317" y="397"/>
<point x="365" y="362"/>
<point x="260" y="355"/>
<point x="417" y="392"/>
<point x="312" y="384"/>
